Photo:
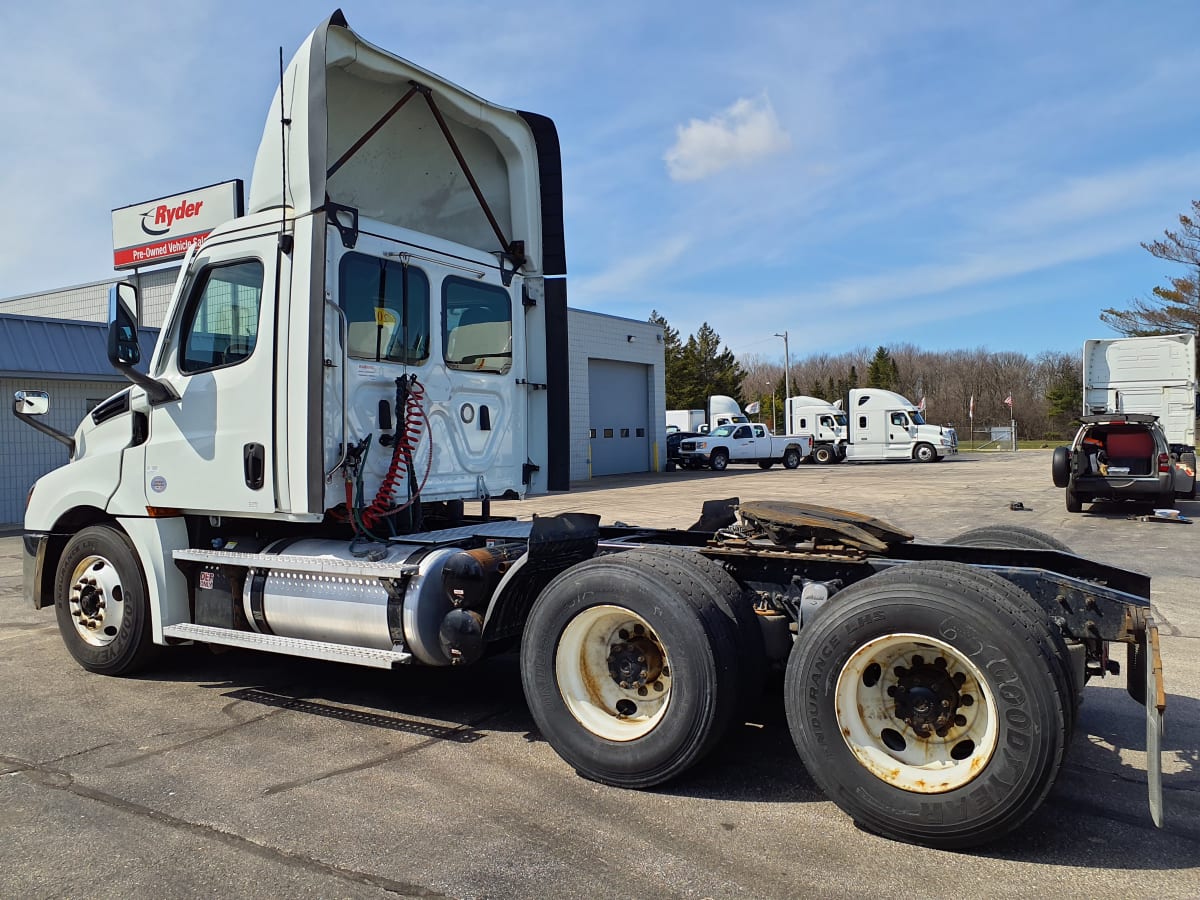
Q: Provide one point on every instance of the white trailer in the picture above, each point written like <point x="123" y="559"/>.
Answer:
<point x="1145" y="375"/>
<point x="381" y="338"/>
<point x="884" y="425"/>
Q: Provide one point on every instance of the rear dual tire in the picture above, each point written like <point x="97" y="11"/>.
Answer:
<point x="973" y="745"/>
<point x="631" y="668"/>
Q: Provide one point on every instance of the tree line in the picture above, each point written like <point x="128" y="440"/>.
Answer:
<point x="1043" y="394"/>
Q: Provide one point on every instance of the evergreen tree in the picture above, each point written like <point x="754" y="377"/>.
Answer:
<point x="709" y="368"/>
<point x="673" y="363"/>
<point x="883" y="371"/>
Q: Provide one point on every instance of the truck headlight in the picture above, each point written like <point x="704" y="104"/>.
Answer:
<point x="701" y="445"/>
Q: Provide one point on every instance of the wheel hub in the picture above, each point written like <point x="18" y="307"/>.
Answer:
<point x="926" y="696"/>
<point x="96" y="600"/>
<point x="635" y="662"/>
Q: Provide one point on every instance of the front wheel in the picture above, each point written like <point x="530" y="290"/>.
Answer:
<point x="926" y="706"/>
<point x="631" y="669"/>
<point x="791" y="458"/>
<point x="925" y="453"/>
<point x="824" y="455"/>
<point x="719" y="461"/>
<point x="102" y="603"/>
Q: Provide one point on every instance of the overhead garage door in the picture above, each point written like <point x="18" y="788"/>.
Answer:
<point x="619" y="401"/>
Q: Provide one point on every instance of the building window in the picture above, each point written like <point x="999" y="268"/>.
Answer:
<point x="624" y="432"/>
<point x="591" y="432"/>
<point x="608" y="432"/>
<point x="641" y="432"/>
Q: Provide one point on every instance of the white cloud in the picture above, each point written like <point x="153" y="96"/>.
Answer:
<point x="746" y="131"/>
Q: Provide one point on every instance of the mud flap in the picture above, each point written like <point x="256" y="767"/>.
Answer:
<point x="1156" y="705"/>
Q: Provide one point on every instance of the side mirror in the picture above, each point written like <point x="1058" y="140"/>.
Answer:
<point x="31" y="403"/>
<point x="123" y="348"/>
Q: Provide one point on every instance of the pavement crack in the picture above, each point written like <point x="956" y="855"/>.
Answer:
<point x="63" y="781"/>
<point x="216" y="732"/>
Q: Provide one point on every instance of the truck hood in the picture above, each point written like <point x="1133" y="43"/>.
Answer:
<point x="360" y="129"/>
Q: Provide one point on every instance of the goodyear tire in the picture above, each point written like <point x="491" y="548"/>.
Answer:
<point x="102" y="603"/>
<point x="630" y="669"/>
<point x="719" y="461"/>
<point x="927" y="708"/>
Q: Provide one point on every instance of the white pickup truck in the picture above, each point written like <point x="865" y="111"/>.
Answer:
<point x="744" y="443"/>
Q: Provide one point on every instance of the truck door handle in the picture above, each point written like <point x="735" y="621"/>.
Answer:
<point x="253" y="465"/>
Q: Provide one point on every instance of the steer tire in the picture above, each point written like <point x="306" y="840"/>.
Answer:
<point x="935" y="634"/>
<point x="925" y="453"/>
<point x="102" y="603"/>
<point x="824" y="455"/>
<point x="719" y="461"/>
<point x="599" y="621"/>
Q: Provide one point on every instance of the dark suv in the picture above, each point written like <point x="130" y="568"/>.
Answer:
<point x="1122" y="457"/>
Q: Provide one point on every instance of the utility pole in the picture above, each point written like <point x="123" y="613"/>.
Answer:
<point x="787" y="384"/>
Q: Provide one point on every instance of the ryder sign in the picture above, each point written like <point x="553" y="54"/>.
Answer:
<point x="160" y="230"/>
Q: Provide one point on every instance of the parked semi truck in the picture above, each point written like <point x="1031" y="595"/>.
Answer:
<point x="825" y="422"/>
<point x="382" y="338"/>
<point x="884" y="425"/>
<point x="719" y="410"/>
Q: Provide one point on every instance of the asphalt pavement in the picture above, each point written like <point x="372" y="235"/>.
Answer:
<point x="236" y="774"/>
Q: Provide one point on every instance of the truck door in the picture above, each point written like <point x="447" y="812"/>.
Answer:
<point x="213" y="448"/>
<point x="899" y="434"/>
<point x="742" y="443"/>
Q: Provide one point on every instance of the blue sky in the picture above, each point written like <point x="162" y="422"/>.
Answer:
<point x="946" y="174"/>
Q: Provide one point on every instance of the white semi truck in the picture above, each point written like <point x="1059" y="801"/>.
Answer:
<point x="381" y="338"/>
<point x="720" y="410"/>
<point x="826" y="423"/>
<point x="884" y="425"/>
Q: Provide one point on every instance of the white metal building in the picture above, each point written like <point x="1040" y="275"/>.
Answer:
<point x="617" y="380"/>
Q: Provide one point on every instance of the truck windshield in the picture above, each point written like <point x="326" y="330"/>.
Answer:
<point x="723" y="431"/>
<point x="917" y="418"/>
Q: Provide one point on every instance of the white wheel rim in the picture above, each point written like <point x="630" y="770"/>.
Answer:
<point x="96" y="600"/>
<point x="916" y="713"/>
<point x="613" y="673"/>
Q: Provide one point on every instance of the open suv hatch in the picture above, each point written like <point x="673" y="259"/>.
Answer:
<point x="1122" y="457"/>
